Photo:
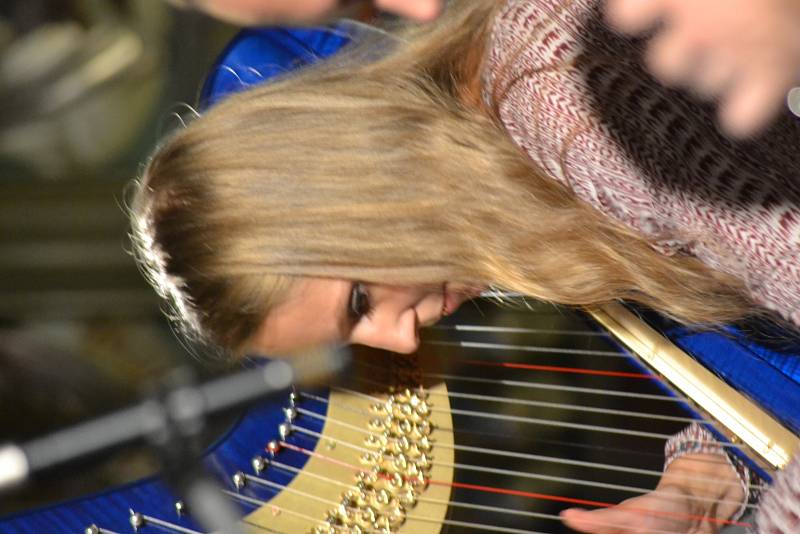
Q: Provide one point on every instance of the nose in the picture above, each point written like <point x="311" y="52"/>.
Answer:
<point x="398" y="333"/>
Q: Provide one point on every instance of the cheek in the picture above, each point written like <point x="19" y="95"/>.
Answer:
<point x="430" y="309"/>
<point x="404" y="296"/>
<point x="429" y="299"/>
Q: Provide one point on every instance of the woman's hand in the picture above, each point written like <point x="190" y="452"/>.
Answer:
<point x="696" y="494"/>
<point x="745" y="52"/>
<point x="253" y="12"/>
<point x="668" y="509"/>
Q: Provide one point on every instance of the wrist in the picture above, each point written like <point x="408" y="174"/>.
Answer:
<point x="709" y="482"/>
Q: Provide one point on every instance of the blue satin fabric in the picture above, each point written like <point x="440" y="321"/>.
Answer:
<point x="763" y="362"/>
<point x="258" y="54"/>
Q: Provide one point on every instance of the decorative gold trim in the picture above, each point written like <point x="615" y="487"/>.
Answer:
<point x="740" y="416"/>
<point x="396" y="466"/>
<point x="383" y="498"/>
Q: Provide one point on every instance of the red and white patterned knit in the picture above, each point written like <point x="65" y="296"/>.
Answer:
<point x="576" y="98"/>
<point x="779" y="507"/>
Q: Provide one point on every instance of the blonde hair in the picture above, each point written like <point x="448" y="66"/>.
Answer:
<point x="378" y="172"/>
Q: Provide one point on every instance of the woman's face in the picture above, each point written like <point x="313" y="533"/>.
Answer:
<point x="324" y="311"/>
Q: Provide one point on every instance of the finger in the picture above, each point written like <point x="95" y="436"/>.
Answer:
<point x="592" y="522"/>
<point x="673" y="56"/>
<point x="634" y="16"/>
<point x="753" y="103"/>
<point x="713" y="76"/>
<point x="422" y="10"/>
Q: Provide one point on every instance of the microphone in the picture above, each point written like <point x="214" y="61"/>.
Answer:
<point x="181" y="410"/>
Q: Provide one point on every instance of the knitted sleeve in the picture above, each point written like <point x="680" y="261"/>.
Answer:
<point x="779" y="508"/>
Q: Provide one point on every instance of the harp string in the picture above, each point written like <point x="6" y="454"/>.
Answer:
<point x="523" y="402"/>
<point x="562" y="369"/>
<point x="496" y="471"/>
<point x="519" y="493"/>
<point x="580" y="370"/>
<point x="517" y="330"/>
<point x="516" y="474"/>
<point x="334" y="504"/>
<point x="472" y="506"/>
<point x="556" y="442"/>
<point x="544" y="404"/>
<point x="548" y="386"/>
<point x="566" y="406"/>
<point x="282" y="509"/>
<point x="537" y="348"/>
<point x="598" y="465"/>
<point x="496" y="452"/>
<point x="457" y="504"/>
<point x="527" y="348"/>
<point x="543" y="422"/>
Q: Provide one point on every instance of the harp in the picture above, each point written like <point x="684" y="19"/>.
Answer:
<point x="488" y="429"/>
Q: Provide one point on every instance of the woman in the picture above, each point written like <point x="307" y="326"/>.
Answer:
<point x="470" y="208"/>
<point x="358" y="201"/>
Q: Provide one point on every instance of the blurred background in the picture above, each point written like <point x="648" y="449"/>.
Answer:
<point x="86" y="89"/>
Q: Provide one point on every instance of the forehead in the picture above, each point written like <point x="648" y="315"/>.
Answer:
<point x="314" y="313"/>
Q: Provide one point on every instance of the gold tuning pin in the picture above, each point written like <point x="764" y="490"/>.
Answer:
<point x="400" y="463"/>
<point x="374" y="441"/>
<point x="407" y="497"/>
<point x="382" y="499"/>
<point x="378" y="408"/>
<point x="403" y="396"/>
<point x="413" y="451"/>
<point x="396" y="466"/>
<point x="425" y="428"/>
<point x="424" y="444"/>
<point x="376" y="425"/>
<point x="367" y="517"/>
<point x="423" y="461"/>
<point x="403" y="427"/>
<point x="369" y="458"/>
<point x="383" y="525"/>
<point x="396" y="517"/>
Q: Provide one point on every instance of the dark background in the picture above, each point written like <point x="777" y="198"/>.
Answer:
<point x="86" y="89"/>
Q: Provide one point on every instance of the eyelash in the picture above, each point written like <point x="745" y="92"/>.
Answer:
<point x="359" y="305"/>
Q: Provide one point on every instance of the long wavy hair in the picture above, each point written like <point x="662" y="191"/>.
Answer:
<point x="386" y="171"/>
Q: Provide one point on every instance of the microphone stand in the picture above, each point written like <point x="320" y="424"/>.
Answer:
<point x="171" y="422"/>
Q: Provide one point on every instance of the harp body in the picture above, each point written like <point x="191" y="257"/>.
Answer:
<point x="317" y="478"/>
<point x="755" y="370"/>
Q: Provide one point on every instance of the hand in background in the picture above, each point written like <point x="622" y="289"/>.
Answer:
<point x="744" y="52"/>
<point x="253" y="12"/>
<point x="696" y="494"/>
<point x="422" y="10"/>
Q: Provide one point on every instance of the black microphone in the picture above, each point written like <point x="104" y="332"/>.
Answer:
<point x="180" y="408"/>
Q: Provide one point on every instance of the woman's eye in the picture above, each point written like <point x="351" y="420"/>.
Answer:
<point x="359" y="302"/>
